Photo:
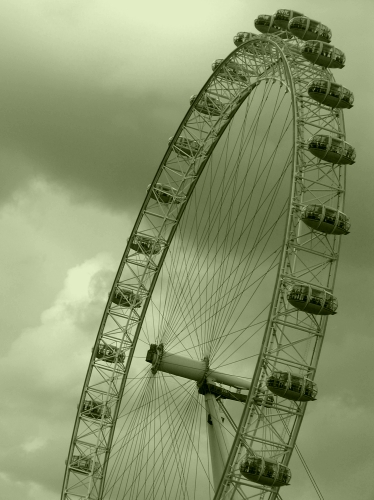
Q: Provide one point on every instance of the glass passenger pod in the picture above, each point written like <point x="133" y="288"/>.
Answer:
<point x="126" y="298"/>
<point x="145" y="245"/>
<point x="109" y="354"/>
<point x="265" y="24"/>
<point x="291" y="386"/>
<point x="312" y="300"/>
<point x="330" y="94"/>
<point x="164" y="193"/>
<point x="95" y="409"/>
<point x="185" y="147"/>
<point x="243" y="37"/>
<point x="325" y="219"/>
<point x="283" y="16"/>
<point x="307" y="29"/>
<point x="332" y="149"/>
<point x="231" y="71"/>
<point x="83" y="464"/>
<point x="323" y="54"/>
<point x="265" y="471"/>
<point x="208" y="105"/>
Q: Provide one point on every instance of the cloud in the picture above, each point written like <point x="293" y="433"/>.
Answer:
<point x="47" y="365"/>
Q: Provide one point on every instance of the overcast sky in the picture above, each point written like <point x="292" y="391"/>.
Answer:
<point x="91" y="91"/>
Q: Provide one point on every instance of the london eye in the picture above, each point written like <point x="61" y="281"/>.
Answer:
<point x="207" y="351"/>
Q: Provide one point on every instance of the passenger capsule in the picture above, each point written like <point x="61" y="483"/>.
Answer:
<point x="332" y="149"/>
<point x="330" y="94"/>
<point x="145" y="245"/>
<point x="109" y="354"/>
<point x="243" y="37"/>
<point x="325" y="219"/>
<point x="291" y="386"/>
<point x="207" y="105"/>
<point x="312" y="300"/>
<point x="231" y="71"/>
<point x="83" y="464"/>
<point x="265" y="24"/>
<point x="307" y="29"/>
<point x="283" y="16"/>
<point x="95" y="409"/>
<point x="323" y="54"/>
<point x="126" y="298"/>
<point x="265" y="471"/>
<point x="164" y="193"/>
<point x="185" y="147"/>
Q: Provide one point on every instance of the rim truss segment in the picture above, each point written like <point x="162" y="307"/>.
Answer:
<point x="309" y="257"/>
<point x="314" y="181"/>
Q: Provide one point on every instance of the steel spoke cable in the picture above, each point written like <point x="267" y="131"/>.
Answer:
<point x="223" y="269"/>
<point x="229" y="313"/>
<point x="244" y="258"/>
<point x="241" y="330"/>
<point x="268" y="174"/>
<point x="249" y="286"/>
<point x="176" y="336"/>
<point x="221" y="181"/>
<point x="245" y="287"/>
<point x="120" y="456"/>
<point x="129" y="439"/>
<point x="155" y="483"/>
<point x="248" y="224"/>
<point x="167" y="459"/>
<point x="166" y="404"/>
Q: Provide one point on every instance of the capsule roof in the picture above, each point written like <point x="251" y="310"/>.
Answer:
<point x="308" y="29"/>
<point x="145" y="245"/>
<point x="265" y="24"/>
<point x="110" y="354"/>
<point x="312" y="300"/>
<point x="164" y="193"/>
<point x="124" y="297"/>
<point x="323" y="54"/>
<point x="265" y="471"/>
<point x="243" y="37"/>
<point x="330" y="94"/>
<point x="332" y="149"/>
<point x="292" y="386"/>
<point x="283" y="16"/>
<point x="325" y="219"/>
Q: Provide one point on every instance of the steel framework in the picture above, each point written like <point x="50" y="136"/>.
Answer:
<point x="292" y="339"/>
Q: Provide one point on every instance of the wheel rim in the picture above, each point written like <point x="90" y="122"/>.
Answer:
<point x="221" y="285"/>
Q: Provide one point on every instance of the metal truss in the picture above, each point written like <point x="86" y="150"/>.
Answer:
<point x="293" y="339"/>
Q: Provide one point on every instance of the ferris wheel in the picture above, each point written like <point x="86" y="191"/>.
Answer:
<point x="207" y="352"/>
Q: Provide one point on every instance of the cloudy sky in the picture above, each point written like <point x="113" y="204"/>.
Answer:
<point x="90" y="93"/>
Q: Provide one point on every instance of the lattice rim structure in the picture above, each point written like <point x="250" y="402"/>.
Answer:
<point x="308" y="257"/>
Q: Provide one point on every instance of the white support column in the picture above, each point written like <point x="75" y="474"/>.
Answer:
<point x="218" y="439"/>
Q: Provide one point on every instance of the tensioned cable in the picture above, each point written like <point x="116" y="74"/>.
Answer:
<point x="229" y="313"/>
<point x="193" y="261"/>
<point x="145" y="426"/>
<point x="135" y="417"/>
<point x="217" y="191"/>
<point x="302" y="459"/>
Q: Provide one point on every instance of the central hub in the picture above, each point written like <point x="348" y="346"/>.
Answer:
<point x="189" y="368"/>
